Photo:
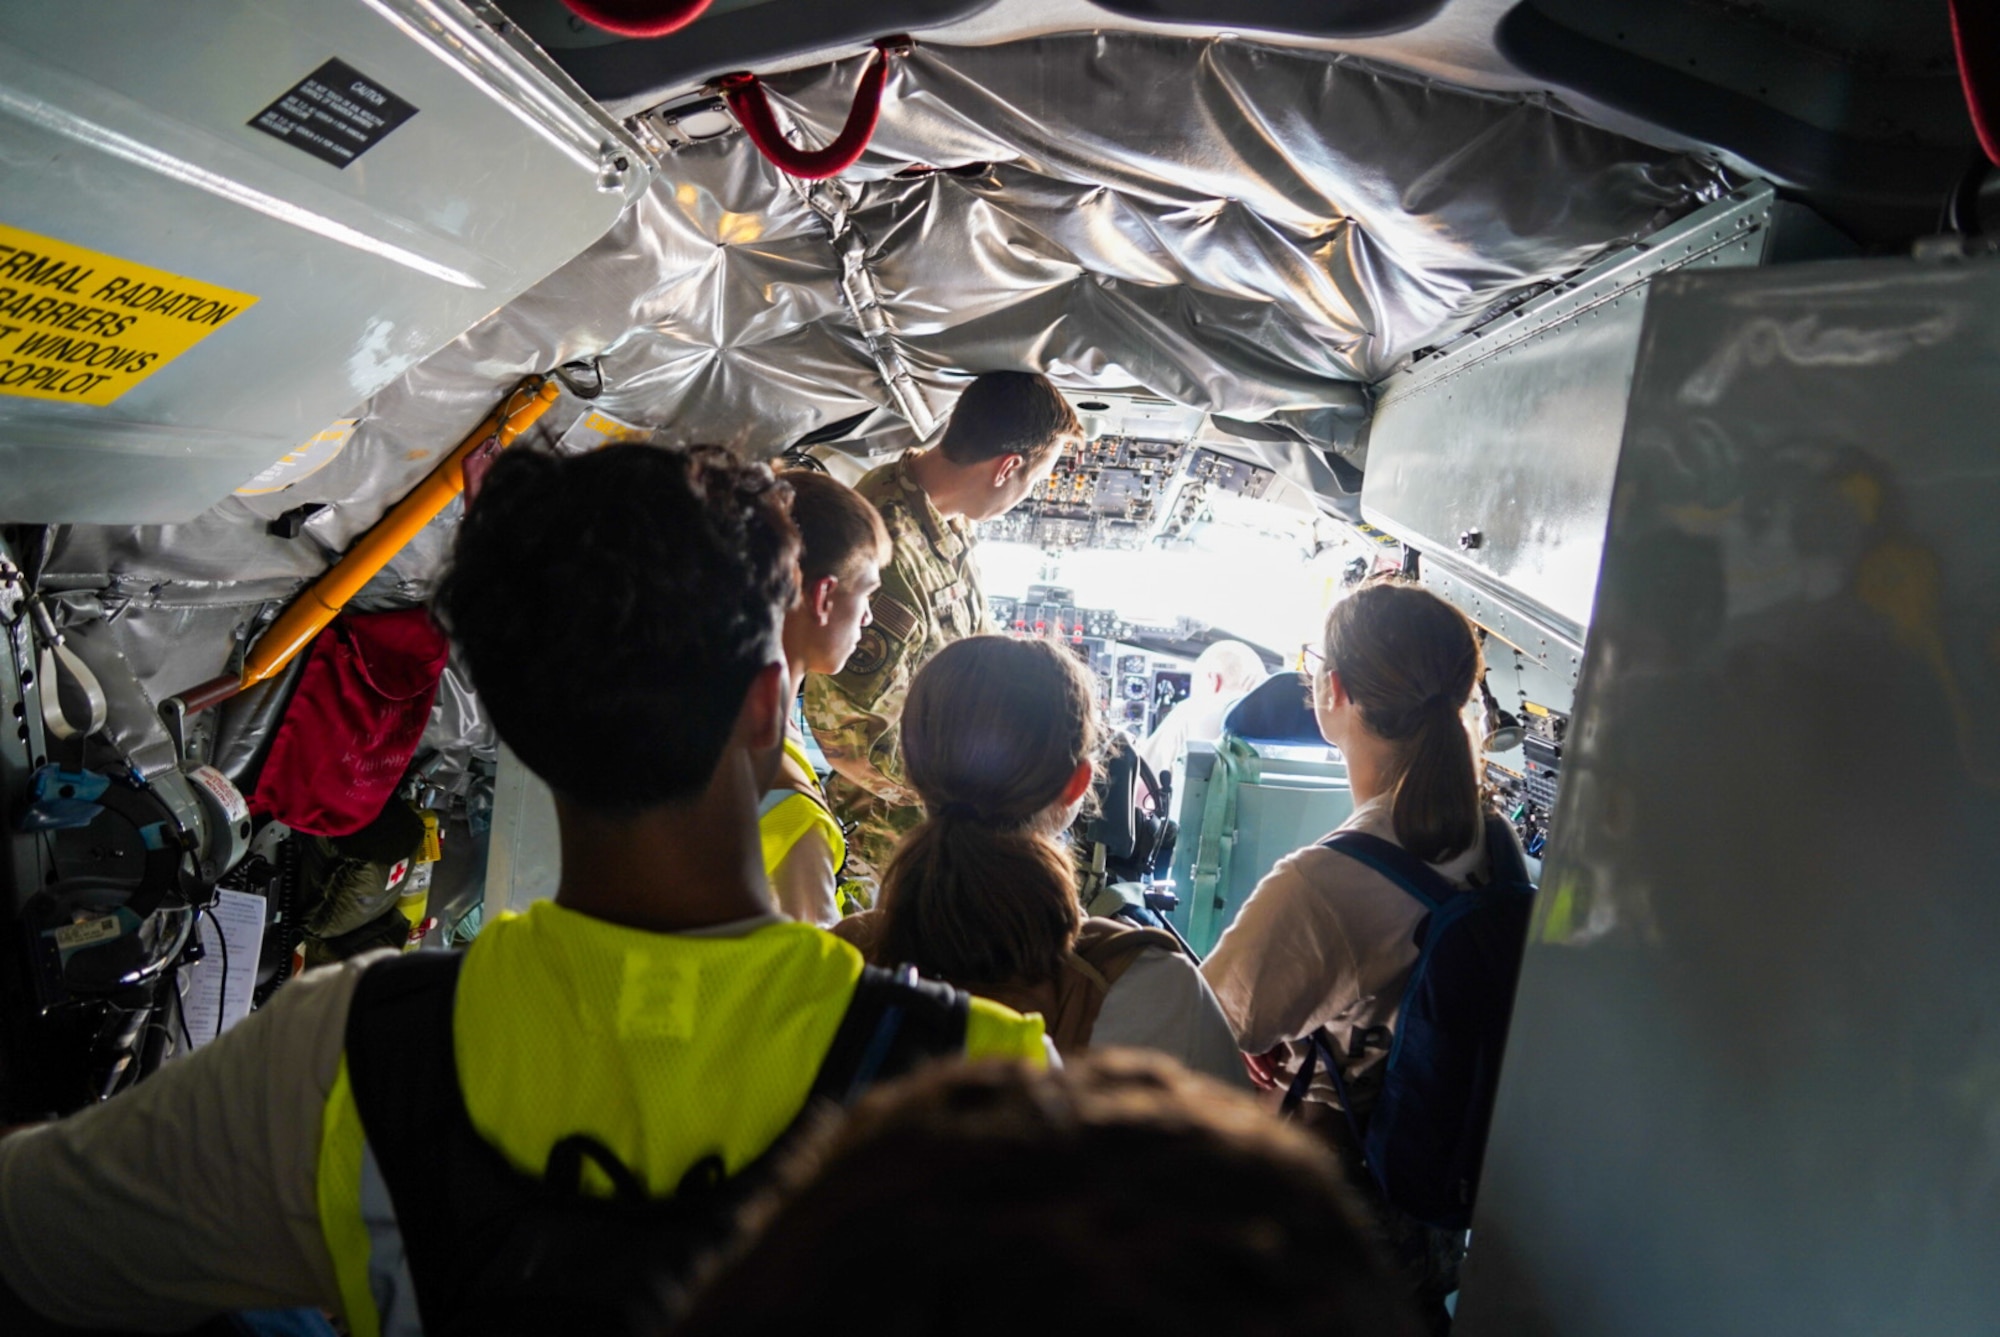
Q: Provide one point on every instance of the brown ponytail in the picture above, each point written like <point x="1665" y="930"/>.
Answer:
<point x="980" y="893"/>
<point x="1411" y="661"/>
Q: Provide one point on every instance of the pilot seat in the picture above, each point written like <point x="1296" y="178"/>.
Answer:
<point x="1269" y="785"/>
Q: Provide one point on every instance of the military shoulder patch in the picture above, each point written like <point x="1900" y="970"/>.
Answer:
<point x="894" y="617"/>
<point x="871" y="652"/>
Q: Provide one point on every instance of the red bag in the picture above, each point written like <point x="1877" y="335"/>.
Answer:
<point x="352" y="726"/>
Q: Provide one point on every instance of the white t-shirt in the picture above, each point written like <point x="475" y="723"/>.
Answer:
<point x="194" y="1191"/>
<point x="197" y="1189"/>
<point x="1197" y="718"/>
<point x="803" y="882"/>
<point x="1324" y="940"/>
<point x="1161" y="1002"/>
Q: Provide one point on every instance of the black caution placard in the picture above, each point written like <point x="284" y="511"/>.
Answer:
<point x="336" y="113"/>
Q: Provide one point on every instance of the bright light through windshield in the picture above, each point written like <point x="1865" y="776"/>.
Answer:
<point x="1255" y="586"/>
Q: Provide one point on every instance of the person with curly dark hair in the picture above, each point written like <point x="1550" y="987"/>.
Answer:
<point x="1123" y="1193"/>
<point x="389" y="1137"/>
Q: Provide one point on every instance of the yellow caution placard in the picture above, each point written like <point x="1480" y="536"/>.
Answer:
<point x="595" y="429"/>
<point x="84" y="327"/>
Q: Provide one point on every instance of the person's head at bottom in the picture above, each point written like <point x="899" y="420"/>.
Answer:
<point x="1122" y="1193"/>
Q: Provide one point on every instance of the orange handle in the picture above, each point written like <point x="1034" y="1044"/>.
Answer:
<point x="321" y="602"/>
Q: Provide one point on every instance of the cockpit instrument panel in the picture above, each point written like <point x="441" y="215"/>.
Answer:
<point x="1106" y="493"/>
<point x="1527" y="798"/>
<point x="1210" y="472"/>
<point x="1134" y="688"/>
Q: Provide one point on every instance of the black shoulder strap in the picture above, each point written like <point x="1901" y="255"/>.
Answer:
<point x="894" y="1022"/>
<point x="399" y="1025"/>
<point x="404" y="1074"/>
<point x="446" y="1182"/>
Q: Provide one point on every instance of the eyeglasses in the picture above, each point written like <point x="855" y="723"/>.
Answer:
<point x="1315" y="662"/>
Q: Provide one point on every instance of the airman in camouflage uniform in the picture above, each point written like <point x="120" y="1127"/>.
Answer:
<point x="930" y="597"/>
<point x="1003" y="438"/>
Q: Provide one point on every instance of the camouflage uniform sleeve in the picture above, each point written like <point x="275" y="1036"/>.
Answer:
<point x="848" y="735"/>
<point x="975" y="582"/>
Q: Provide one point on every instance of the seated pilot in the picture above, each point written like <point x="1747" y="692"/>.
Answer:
<point x="999" y="740"/>
<point x="344" y="1147"/>
<point x="1223" y="673"/>
<point x="842" y="545"/>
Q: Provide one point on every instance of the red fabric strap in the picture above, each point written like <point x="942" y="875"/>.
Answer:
<point x="475" y="466"/>
<point x="1975" y="32"/>
<point x="746" y="98"/>
<point x="638" y="18"/>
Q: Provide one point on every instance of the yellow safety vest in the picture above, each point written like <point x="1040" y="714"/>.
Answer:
<point x="664" y="1047"/>
<point x="787" y="814"/>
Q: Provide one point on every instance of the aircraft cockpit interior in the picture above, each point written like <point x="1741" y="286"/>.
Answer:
<point x="590" y="584"/>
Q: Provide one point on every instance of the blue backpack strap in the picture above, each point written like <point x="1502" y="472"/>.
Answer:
<point x="1394" y="862"/>
<point x="1416" y="878"/>
<point x="1319" y="1049"/>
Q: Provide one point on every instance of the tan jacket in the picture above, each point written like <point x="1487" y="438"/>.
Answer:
<point x="1068" y="1005"/>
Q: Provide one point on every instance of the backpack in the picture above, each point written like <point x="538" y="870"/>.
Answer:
<point x="492" y="1251"/>
<point x="1425" y="1135"/>
<point x="1069" y="1004"/>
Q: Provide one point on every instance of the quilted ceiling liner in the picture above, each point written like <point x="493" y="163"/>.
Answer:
<point x="1238" y="227"/>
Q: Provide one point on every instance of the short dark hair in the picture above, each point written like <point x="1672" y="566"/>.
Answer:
<point x="1008" y="413"/>
<point x="613" y="609"/>
<point x="1123" y="1194"/>
<point x="836" y="525"/>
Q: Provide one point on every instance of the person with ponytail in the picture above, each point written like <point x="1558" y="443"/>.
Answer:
<point x="1324" y="940"/>
<point x="999" y="740"/>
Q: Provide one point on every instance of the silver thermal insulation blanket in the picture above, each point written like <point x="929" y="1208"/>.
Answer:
<point x="1242" y="228"/>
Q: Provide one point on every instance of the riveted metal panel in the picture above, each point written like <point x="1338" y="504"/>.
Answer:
<point x="1495" y="454"/>
<point x="1754" y="1070"/>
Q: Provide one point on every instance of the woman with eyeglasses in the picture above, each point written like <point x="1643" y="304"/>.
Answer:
<point x="1326" y="941"/>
